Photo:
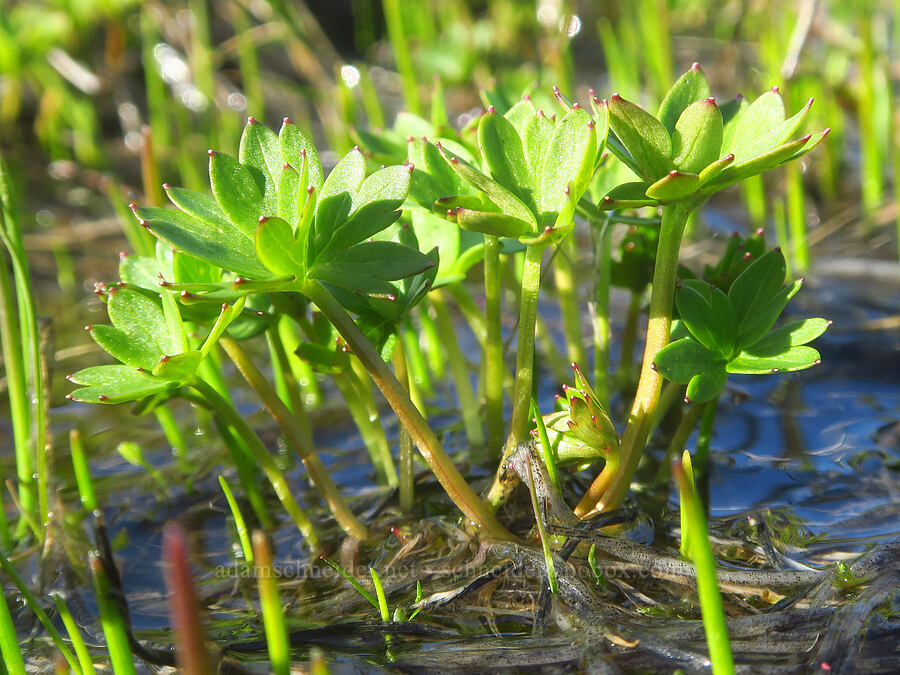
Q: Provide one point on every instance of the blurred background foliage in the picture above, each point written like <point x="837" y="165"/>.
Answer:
<point x="81" y="78"/>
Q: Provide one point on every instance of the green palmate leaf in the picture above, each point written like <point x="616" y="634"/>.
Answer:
<point x="279" y="249"/>
<point x="502" y="198"/>
<point x="177" y="341"/>
<point x="201" y="206"/>
<point x="290" y="199"/>
<point x="178" y="367"/>
<point x="143" y="271"/>
<point x="521" y="114"/>
<point x="811" y="142"/>
<point x="448" y="180"/>
<point x="646" y="139"/>
<point x="346" y="177"/>
<point x="489" y="222"/>
<point x="793" y="334"/>
<point x="368" y="266"/>
<point x="674" y="186"/>
<point x="790" y="126"/>
<point x="714" y="169"/>
<point x="707" y="385"/>
<point x="753" y="133"/>
<point x="143" y="321"/>
<point x="790" y="360"/>
<point x="759" y="164"/>
<point x="118" y="344"/>
<point x="228" y="247"/>
<point x="236" y="191"/>
<point x="681" y="360"/>
<point x="689" y="88"/>
<point x="568" y="165"/>
<point x="188" y="269"/>
<point x="618" y="149"/>
<point x="731" y="110"/>
<point x="459" y="248"/>
<point x="760" y="323"/>
<point x="627" y="195"/>
<point x="227" y="314"/>
<point x="697" y="138"/>
<point x="115" y="384"/>
<point x="260" y="152"/>
<point x="501" y="148"/>
<point x="708" y="314"/>
<point x="536" y="138"/>
<point x="295" y="148"/>
<point x="755" y="291"/>
<point x="379" y="197"/>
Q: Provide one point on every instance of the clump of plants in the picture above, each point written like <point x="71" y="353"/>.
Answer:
<point x="279" y="241"/>
<point x="337" y="273"/>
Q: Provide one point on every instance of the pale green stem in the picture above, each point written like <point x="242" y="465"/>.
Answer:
<point x="492" y="344"/>
<point x="602" y="234"/>
<point x="174" y="436"/>
<point x="531" y="282"/>
<point x="437" y="458"/>
<point x="372" y="433"/>
<point x="296" y="437"/>
<point x="431" y="345"/>
<point x="459" y="369"/>
<point x="231" y="417"/>
<point x="629" y="338"/>
<point x="567" y="296"/>
<point x="521" y="419"/>
<point x="416" y="361"/>
<point x="598" y="496"/>
<point x="286" y="383"/>
<point x="467" y="307"/>
<point x="407" y="479"/>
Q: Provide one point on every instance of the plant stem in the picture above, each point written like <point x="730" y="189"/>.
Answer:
<point x="522" y="394"/>
<point x="444" y="470"/>
<point x="174" y="436"/>
<point x="466" y="304"/>
<point x="407" y="480"/>
<point x="602" y="235"/>
<point x="459" y="369"/>
<point x="567" y="296"/>
<point x="704" y="438"/>
<point x="492" y="344"/>
<point x="679" y="439"/>
<point x="297" y="438"/>
<point x="415" y="358"/>
<point x="432" y="347"/>
<point x="629" y="338"/>
<point x="600" y="497"/>
<point x="531" y="281"/>
<point x="231" y="416"/>
<point x="286" y="383"/>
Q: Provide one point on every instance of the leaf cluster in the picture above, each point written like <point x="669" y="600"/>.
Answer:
<point x="693" y="147"/>
<point x="732" y="332"/>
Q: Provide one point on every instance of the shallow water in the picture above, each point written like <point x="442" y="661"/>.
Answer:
<point x="813" y="456"/>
